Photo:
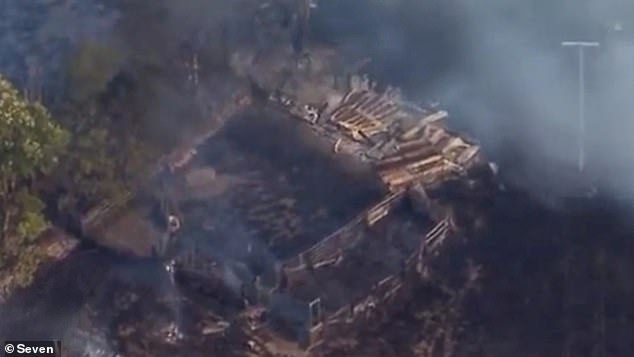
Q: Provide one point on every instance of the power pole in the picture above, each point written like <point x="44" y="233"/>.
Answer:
<point x="581" y="46"/>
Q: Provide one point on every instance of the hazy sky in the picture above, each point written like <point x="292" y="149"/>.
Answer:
<point x="499" y="67"/>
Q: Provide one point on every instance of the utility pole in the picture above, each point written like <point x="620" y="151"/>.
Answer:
<point x="581" y="46"/>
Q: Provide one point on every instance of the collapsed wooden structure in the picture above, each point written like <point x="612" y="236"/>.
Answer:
<point x="411" y="152"/>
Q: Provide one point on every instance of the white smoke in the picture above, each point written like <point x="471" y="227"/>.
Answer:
<point x="500" y="68"/>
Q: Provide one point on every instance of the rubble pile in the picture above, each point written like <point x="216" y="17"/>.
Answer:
<point x="411" y="152"/>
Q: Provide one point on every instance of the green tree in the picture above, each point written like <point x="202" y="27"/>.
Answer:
<point x="102" y="163"/>
<point x="101" y="110"/>
<point x="88" y="173"/>
<point x="30" y="146"/>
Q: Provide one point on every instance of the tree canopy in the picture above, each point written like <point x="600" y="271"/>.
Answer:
<point x="31" y="144"/>
<point x="114" y="117"/>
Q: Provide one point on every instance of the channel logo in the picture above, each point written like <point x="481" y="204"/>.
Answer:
<point x="49" y="348"/>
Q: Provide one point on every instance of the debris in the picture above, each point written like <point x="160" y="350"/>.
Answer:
<point x="337" y="147"/>
<point x="173" y="224"/>
<point x="410" y="151"/>
<point x="170" y="267"/>
<point x="384" y="207"/>
<point x="411" y="133"/>
<point x="172" y="334"/>
<point x="218" y="327"/>
<point x="179" y="160"/>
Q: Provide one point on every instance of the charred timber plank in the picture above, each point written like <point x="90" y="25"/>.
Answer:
<point x="468" y="155"/>
<point x="397" y="154"/>
<point x="411" y="133"/>
<point x="349" y="95"/>
<point x="351" y="105"/>
<point x="383" y="208"/>
<point x="356" y="114"/>
<point x="337" y="113"/>
<point x="428" y="177"/>
<point x="369" y="124"/>
<point x="401" y="163"/>
<point x="414" y="144"/>
<point x="385" y="107"/>
<point x="384" y="111"/>
<point x="375" y="108"/>
<point x="441" y="143"/>
<point x="412" y="167"/>
<point x="454" y="143"/>
<point x="392" y="176"/>
<point x="437" y="235"/>
<point x="363" y="122"/>
<point x="348" y="115"/>
<point x="380" y="107"/>
<point x="439" y="138"/>
<point x="388" y="113"/>
<point x="364" y="99"/>
<point x="406" y="158"/>
<point x="354" y="121"/>
<point x="356" y="97"/>
<point x="393" y="172"/>
<point x="323" y="263"/>
<point x="360" y="122"/>
<point x="386" y="148"/>
<point x="373" y="131"/>
<point x="354" y="135"/>
<point x="373" y="99"/>
<point x="438" y="229"/>
<point x="405" y="180"/>
<point x="349" y="100"/>
<point x="381" y="103"/>
<point x="426" y="164"/>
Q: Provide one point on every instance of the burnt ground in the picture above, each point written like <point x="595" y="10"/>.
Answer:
<point x="278" y="173"/>
<point x="554" y="278"/>
<point x="556" y="281"/>
<point x="525" y="306"/>
<point x="96" y="300"/>
<point x="549" y="275"/>
<point x="287" y="193"/>
<point x="380" y="254"/>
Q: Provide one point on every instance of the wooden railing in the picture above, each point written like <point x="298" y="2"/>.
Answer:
<point x="331" y="247"/>
<point x="388" y="289"/>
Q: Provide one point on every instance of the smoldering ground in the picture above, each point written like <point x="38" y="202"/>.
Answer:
<point x="498" y="66"/>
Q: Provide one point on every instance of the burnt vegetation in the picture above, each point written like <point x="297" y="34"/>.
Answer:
<point x="530" y="278"/>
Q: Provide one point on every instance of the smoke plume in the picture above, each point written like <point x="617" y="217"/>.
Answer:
<point x="500" y="68"/>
